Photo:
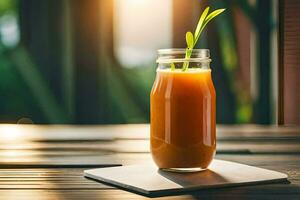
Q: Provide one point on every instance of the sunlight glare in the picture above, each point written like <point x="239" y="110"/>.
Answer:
<point x="10" y="133"/>
<point x="140" y="28"/>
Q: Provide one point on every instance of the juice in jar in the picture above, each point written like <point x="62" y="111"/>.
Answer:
<point x="183" y="121"/>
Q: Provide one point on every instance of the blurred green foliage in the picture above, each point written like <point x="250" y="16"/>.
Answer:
<point x="8" y="6"/>
<point x="25" y="91"/>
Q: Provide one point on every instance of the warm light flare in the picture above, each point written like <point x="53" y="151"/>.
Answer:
<point x="140" y="28"/>
<point x="10" y="133"/>
<point x="16" y="144"/>
<point x="137" y="2"/>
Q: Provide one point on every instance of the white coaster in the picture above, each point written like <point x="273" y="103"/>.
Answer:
<point x="150" y="181"/>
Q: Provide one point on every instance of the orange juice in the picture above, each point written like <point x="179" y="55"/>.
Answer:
<point x="183" y="118"/>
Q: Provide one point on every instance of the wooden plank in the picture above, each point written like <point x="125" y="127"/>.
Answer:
<point x="80" y="154"/>
<point x="291" y="62"/>
<point x="22" y="133"/>
<point x="53" y="178"/>
<point x="49" y="177"/>
<point x="135" y="146"/>
<point x="259" y="192"/>
<point x="263" y="160"/>
<point x="280" y="71"/>
<point x="55" y="147"/>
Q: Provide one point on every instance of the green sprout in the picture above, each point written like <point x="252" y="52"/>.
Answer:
<point x="191" y="40"/>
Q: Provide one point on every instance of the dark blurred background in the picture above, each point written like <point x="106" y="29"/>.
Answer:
<point x="93" y="61"/>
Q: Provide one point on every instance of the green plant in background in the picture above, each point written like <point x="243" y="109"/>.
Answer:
<point x="7" y="6"/>
<point x="244" y="108"/>
<point x="24" y="91"/>
<point x="192" y="39"/>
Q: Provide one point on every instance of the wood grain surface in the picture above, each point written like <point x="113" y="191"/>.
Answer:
<point x="47" y="162"/>
<point x="291" y="61"/>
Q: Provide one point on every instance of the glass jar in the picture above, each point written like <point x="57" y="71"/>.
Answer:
<point x="183" y="111"/>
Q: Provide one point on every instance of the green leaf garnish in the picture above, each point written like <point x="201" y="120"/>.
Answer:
<point x="210" y="17"/>
<point x="201" y="20"/>
<point x="191" y="39"/>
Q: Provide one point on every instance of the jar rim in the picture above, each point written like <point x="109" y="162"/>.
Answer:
<point x="203" y="52"/>
<point x="178" y="55"/>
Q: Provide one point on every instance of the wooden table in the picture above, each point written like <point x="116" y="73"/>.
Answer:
<point x="47" y="162"/>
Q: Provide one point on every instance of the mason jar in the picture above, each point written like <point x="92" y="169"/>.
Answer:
<point x="183" y="111"/>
